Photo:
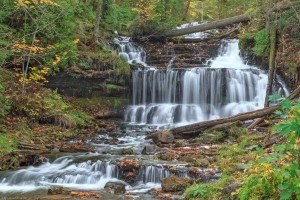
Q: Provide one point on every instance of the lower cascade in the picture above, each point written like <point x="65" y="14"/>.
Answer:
<point x="174" y="97"/>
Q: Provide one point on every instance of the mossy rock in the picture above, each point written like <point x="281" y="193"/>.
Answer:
<point x="173" y="183"/>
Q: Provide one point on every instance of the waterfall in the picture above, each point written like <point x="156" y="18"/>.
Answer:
<point x="87" y="175"/>
<point x="174" y="97"/>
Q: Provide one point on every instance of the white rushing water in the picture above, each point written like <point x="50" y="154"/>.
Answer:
<point x="68" y="171"/>
<point x="174" y="97"/>
<point x="199" y="35"/>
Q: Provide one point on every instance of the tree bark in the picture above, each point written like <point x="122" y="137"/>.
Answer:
<point x="97" y="23"/>
<point x="196" y="128"/>
<point x="208" y="26"/>
<point x="271" y="64"/>
<point x="185" y="10"/>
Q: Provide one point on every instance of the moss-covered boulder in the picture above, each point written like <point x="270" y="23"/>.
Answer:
<point x="173" y="183"/>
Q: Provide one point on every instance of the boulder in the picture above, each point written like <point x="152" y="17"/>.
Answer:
<point x="115" y="188"/>
<point x="163" y="137"/>
<point x="173" y="183"/>
<point x="150" y="149"/>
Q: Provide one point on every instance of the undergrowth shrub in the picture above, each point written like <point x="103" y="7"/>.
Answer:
<point x="4" y="104"/>
<point x="7" y="144"/>
<point x="46" y="106"/>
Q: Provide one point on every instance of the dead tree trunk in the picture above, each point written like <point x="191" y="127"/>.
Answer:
<point x="208" y="26"/>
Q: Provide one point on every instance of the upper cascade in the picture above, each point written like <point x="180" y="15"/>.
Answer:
<point x="229" y="57"/>
<point x="225" y="86"/>
<point x="130" y="51"/>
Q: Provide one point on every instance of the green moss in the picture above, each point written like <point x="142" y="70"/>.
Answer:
<point x="262" y="42"/>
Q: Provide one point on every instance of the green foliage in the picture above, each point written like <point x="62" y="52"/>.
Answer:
<point x="47" y="106"/>
<point x="206" y="191"/>
<point x="155" y="16"/>
<point x="4" y="104"/>
<point x="7" y="144"/>
<point x="262" y="41"/>
<point x="277" y="175"/>
<point x="119" y="16"/>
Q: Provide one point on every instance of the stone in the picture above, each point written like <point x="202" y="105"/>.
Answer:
<point x="164" y="137"/>
<point x="174" y="184"/>
<point x="58" y="190"/>
<point x="129" y="151"/>
<point x="115" y="188"/>
<point x="150" y="149"/>
<point x="76" y="147"/>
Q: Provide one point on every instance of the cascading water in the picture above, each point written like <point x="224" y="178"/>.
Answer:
<point x="172" y="97"/>
<point x="130" y="51"/>
<point x="225" y="87"/>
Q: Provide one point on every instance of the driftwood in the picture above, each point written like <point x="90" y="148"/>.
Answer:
<point x="207" y="26"/>
<point x="197" y="128"/>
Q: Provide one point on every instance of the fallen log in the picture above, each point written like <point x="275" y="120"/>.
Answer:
<point x="208" y="26"/>
<point x="227" y="35"/>
<point x="195" y="129"/>
<point x="260" y="120"/>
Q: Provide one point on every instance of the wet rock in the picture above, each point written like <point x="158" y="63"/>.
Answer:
<point x="75" y="147"/>
<point x="129" y="170"/>
<point x="173" y="183"/>
<point x="150" y="149"/>
<point x="129" y="151"/>
<point x="115" y="188"/>
<point x="163" y="137"/>
<point x="58" y="190"/>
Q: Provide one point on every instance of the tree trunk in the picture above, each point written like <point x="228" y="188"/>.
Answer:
<point x="103" y="9"/>
<point x="271" y="64"/>
<point x="196" y="128"/>
<point x="97" y="23"/>
<point x="208" y="26"/>
<point x="185" y="10"/>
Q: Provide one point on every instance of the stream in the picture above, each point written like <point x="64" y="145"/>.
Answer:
<point x="161" y="99"/>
